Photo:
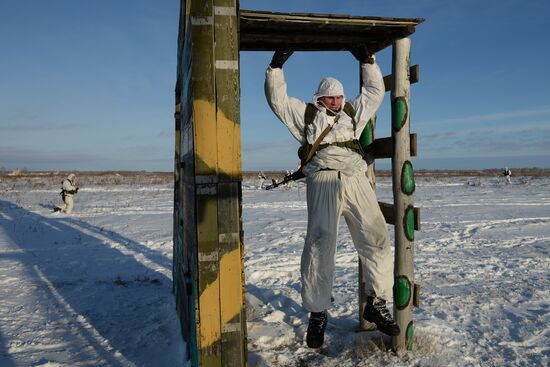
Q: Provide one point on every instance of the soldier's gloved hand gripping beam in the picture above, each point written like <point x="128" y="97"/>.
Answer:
<point x="279" y="58"/>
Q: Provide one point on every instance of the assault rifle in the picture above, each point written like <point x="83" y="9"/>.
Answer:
<point x="304" y="160"/>
<point x="289" y="177"/>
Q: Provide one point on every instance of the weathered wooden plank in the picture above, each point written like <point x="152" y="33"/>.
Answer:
<point x="388" y="210"/>
<point x="188" y="218"/>
<point x="367" y="138"/>
<point x="184" y="268"/>
<point x="208" y="270"/>
<point x="342" y="19"/>
<point x="227" y="90"/>
<point x="204" y="93"/>
<point x="205" y="140"/>
<point x="231" y="297"/>
<point x="231" y="282"/>
<point x="383" y="147"/>
<point x="416" y="295"/>
<point x="264" y="31"/>
<point x="414" y="77"/>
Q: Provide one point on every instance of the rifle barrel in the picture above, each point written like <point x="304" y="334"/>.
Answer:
<point x="292" y="177"/>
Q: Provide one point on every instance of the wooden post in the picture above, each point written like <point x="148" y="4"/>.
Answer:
<point x="366" y="139"/>
<point x="230" y="234"/>
<point x="208" y="241"/>
<point x="403" y="189"/>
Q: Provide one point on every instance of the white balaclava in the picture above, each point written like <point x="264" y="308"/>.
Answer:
<point x="71" y="177"/>
<point x="329" y="87"/>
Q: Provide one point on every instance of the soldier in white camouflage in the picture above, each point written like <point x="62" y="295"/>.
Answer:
<point x="337" y="185"/>
<point x="68" y="189"/>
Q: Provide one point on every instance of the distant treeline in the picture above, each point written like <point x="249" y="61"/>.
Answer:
<point x="535" y="172"/>
<point x="129" y="176"/>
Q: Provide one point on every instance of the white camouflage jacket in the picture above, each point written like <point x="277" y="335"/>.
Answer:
<point x="291" y="112"/>
<point x="68" y="187"/>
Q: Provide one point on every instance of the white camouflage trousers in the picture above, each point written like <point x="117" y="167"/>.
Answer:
<point x="329" y="197"/>
<point x="68" y="204"/>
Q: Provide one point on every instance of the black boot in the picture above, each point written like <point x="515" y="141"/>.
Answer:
<point x="316" y="329"/>
<point x="377" y="312"/>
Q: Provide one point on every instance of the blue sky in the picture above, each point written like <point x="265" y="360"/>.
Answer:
<point x="90" y="85"/>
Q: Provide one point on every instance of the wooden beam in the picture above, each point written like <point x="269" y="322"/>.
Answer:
<point x="266" y="31"/>
<point x="416" y="295"/>
<point x="388" y="212"/>
<point x="383" y="147"/>
<point x="414" y="77"/>
<point x="320" y="18"/>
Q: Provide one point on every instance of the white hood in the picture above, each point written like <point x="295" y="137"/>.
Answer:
<point x="329" y="87"/>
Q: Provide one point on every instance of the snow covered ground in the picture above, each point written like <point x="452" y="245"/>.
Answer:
<point x="90" y="289"/>
<point x="94" y="288"/>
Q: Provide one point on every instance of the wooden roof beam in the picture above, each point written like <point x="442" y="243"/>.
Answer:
<point x="265" y="31"/>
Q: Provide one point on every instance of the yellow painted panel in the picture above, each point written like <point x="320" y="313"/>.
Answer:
<point x="231" y="285"/>
<point x="229" y="146"/>
<point x="204" y="123"/>
<point x="209" y="301"/>
<point x="209" y="337"/>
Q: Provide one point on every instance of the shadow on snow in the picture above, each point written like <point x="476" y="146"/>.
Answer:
<point x="106" y="303"/>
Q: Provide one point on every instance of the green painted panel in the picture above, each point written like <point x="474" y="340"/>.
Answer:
<point x="402" y="292"/>
<point x="409" y="336"/>
<point x="407" y="178"/>
<point x="399" y="113"/>
<point x="409" y="223"/>
<point x="367" y="136"/>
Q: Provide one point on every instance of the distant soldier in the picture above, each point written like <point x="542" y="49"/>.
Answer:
<point x="507" y="173"/>
<point x="68" y="189"/>
<point x="261" y="180"/>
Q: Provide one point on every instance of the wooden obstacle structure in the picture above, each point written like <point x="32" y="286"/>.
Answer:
<point x="208" y="265"/>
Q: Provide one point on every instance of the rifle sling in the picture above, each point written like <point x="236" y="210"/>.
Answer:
<point x="319" y="139"/>
<point x="299" y="173"/>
